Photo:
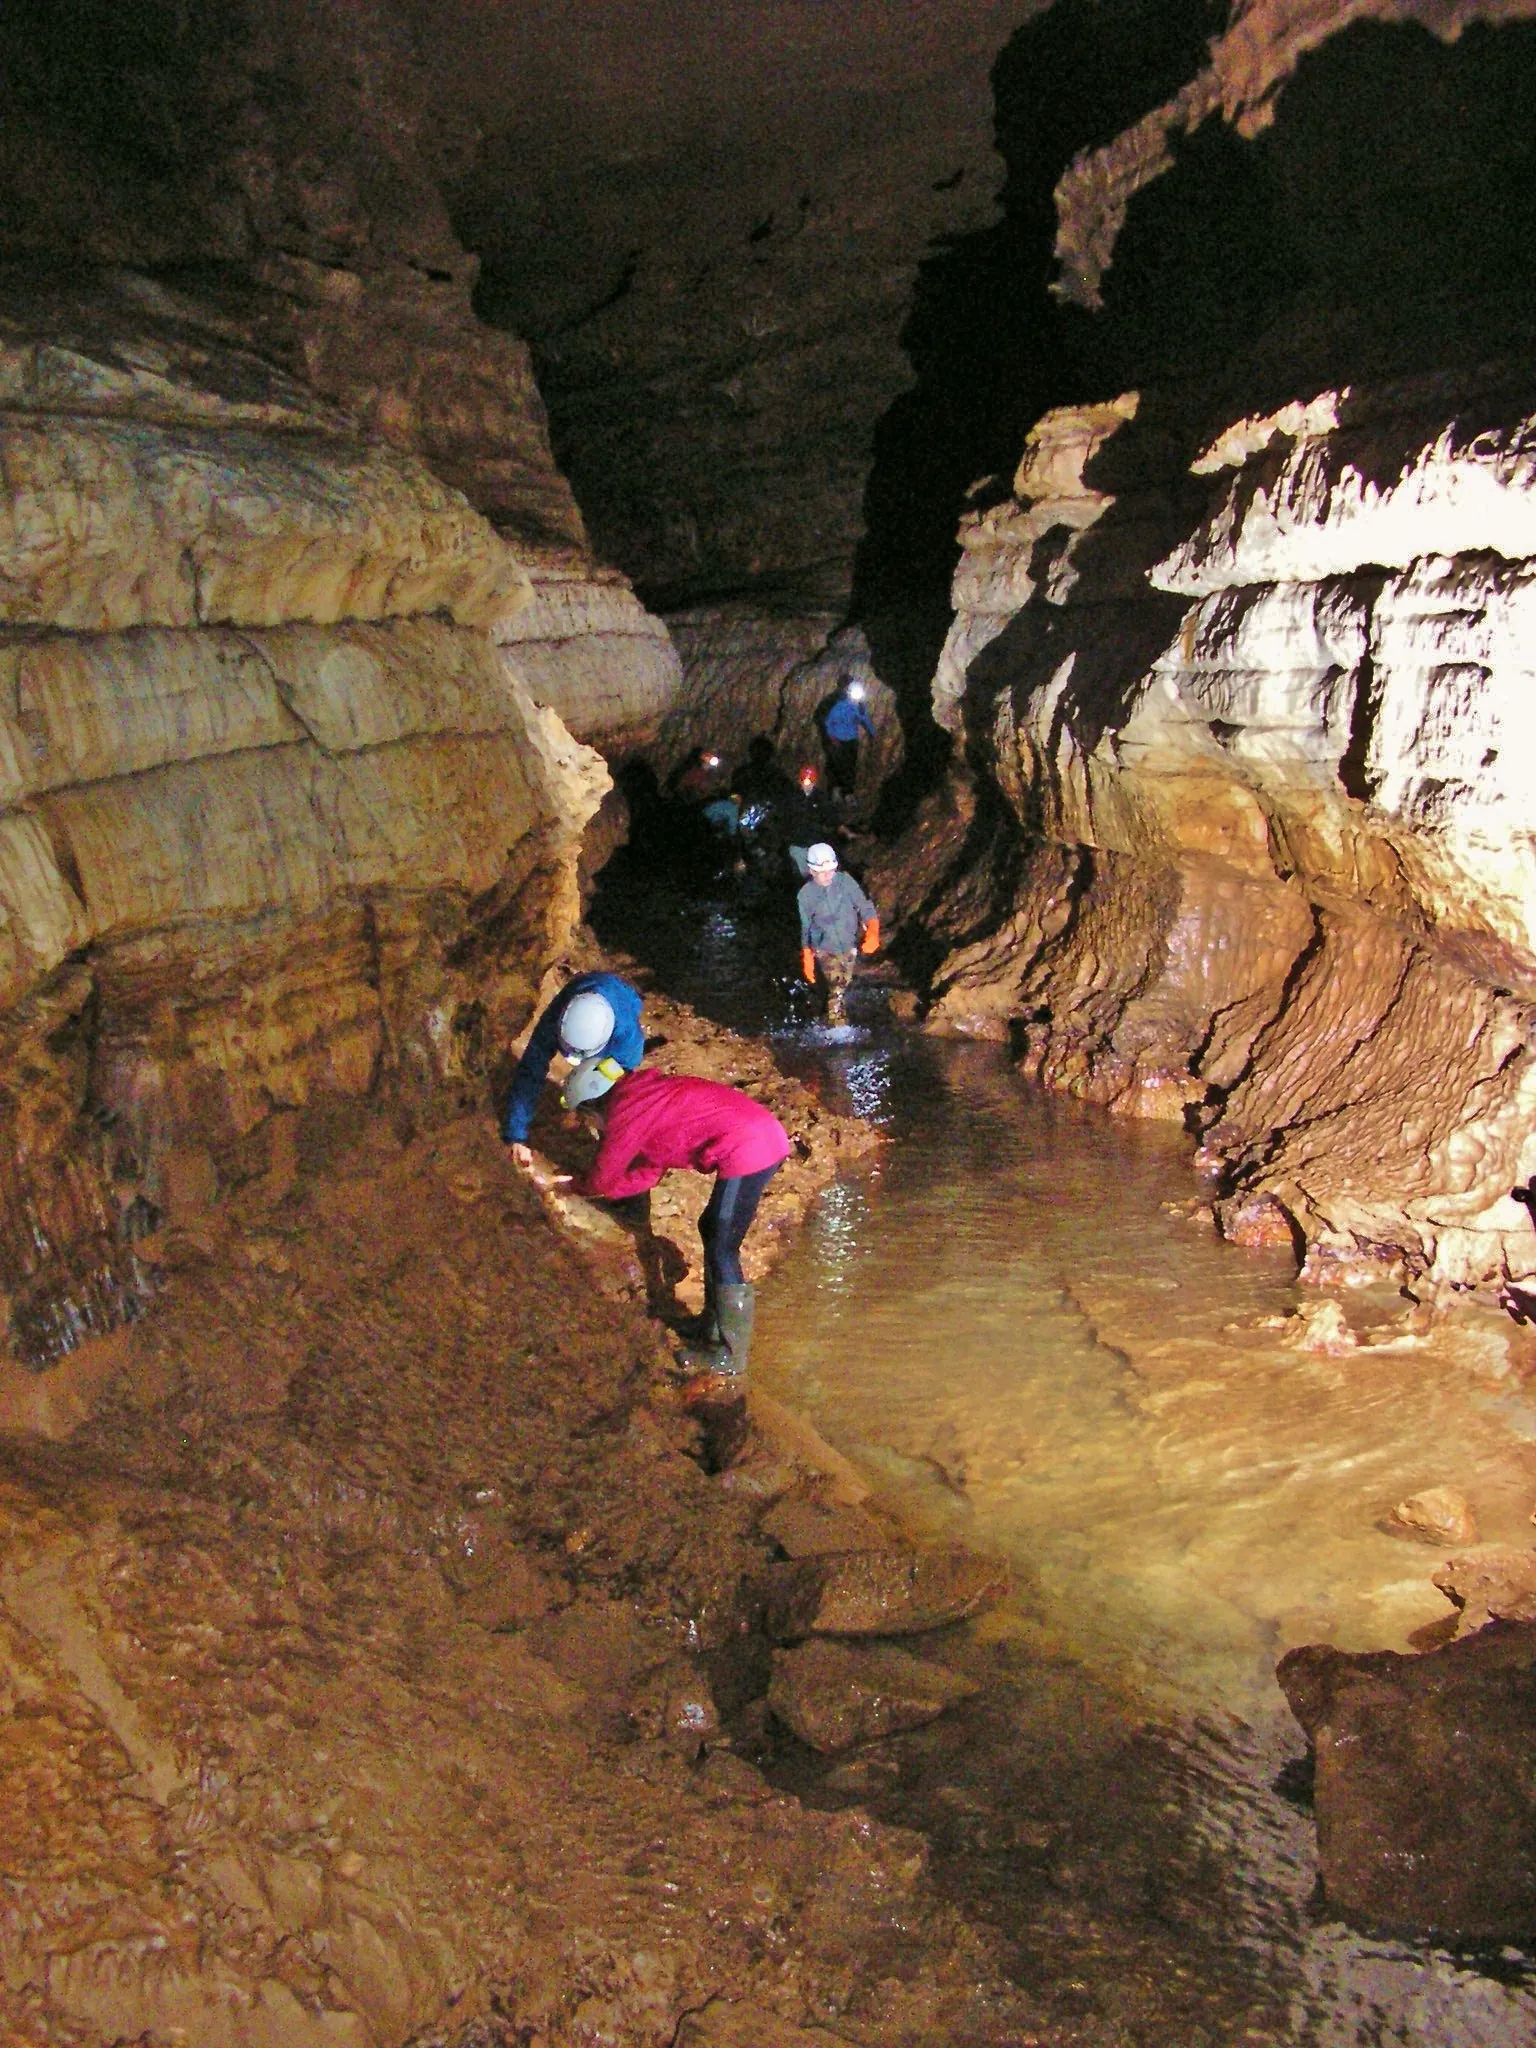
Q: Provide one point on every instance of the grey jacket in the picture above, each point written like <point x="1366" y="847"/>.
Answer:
<point x="830" y="916"/>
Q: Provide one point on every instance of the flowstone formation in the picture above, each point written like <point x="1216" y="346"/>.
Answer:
<point x="1260" y="719"/>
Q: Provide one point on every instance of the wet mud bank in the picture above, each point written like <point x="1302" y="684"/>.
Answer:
<point x="380" y="1664"/>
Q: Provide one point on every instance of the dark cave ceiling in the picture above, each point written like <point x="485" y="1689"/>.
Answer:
<point x="786" y="268"/>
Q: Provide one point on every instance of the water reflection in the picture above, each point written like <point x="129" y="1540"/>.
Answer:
<point x="1012" y="1323"/>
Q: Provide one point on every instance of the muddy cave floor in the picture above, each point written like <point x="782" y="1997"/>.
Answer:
<point x="352" y="1655"/>
<point x="348" y="1653"/>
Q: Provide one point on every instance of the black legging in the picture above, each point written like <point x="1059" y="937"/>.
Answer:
<point x="726" y="1220"/>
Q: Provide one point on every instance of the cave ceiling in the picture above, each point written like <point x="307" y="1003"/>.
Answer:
<point x="795" y="275"/>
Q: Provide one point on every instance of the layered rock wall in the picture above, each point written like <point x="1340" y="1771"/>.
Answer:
<point x="1259" y="714"/>
<point x="1250" y="64"/>
<point x="277" y="818"/>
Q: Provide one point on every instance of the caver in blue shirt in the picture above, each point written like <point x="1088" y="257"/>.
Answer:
<point x="627" y="1046"/>
<point x="845" y="719"/>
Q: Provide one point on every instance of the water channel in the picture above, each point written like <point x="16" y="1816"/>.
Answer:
<point x="1015" y="1325"/>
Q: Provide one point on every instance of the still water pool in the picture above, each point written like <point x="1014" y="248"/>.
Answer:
<point x="1014" y="1325"/>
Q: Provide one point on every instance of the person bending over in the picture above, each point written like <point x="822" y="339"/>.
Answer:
<point x="595" y="1016"/>
<point x="837" y="922"/>
<point x="653" y="1122"/>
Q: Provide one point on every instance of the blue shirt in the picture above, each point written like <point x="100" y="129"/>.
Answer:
<point x="627" y="1046"/>
<point x="845" y="720"/>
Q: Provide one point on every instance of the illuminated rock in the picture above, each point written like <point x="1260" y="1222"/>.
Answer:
<point x="833" y="1695"/>
<point x="1263" y="724"/>
<point x="277" y="817"/>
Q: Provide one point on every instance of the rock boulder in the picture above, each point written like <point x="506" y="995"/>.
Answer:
<point x="834" y="1695"/>
<point x="1426" y="1782"/>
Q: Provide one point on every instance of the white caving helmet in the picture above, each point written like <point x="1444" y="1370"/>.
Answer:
<point x="588" y="1082"/>
<point x="586" y="1025"/>
<point x="820" y="856"/>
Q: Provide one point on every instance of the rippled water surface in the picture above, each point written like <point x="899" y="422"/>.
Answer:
<point x="1014" y="1326"/>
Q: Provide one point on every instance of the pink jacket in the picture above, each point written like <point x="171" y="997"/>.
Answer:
<point x="656" y="1121"/>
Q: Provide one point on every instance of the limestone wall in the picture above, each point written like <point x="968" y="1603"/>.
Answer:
<point x="1250" y="64"/>
<point x="586" y="646"/>
<point x="1261" y="720"/>
<point x="750" y="669"/>
<point x="277" y="817"/>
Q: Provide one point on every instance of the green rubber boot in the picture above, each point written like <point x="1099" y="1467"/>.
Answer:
<point x="705" y="1351"/>
<point x="736" y="1308"/>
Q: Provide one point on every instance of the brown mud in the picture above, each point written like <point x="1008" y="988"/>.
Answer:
<point x="379" y="1663"/>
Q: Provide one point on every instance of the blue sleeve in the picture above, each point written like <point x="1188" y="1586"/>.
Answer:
<point x="627" y="1045"/>
<point x="864" y="720"/>
<point x="532" y="1072"/>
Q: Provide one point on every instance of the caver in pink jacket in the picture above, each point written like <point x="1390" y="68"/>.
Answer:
<point x="656" y="1121"/>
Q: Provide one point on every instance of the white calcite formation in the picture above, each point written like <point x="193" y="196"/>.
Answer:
<point x="278" y="819"/>
<point x="1265" y="728"/>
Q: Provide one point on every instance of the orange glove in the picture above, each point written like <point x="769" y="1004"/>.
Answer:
<point x="869" y="938"/>
<point x="807" y="963"/>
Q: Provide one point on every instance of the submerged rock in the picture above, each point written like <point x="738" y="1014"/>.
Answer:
<point x="834" y="1695"/>
<point x="1437" y="1515"/>
<point x="1426" y="1782"/>
<point x="806" y="1527"/>
<point x="880" y="1592"/>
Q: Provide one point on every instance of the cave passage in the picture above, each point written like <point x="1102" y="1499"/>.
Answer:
<point x="1023" y="1329"/>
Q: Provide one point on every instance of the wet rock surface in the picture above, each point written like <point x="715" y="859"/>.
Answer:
<point x="375" y="1652"/>
<point x="835" y="1695"/>
<point x="1494" y="1584"/>
<point x="880" y="1592"/>
<point x="1426" y="1816"/>
<point x="1249" y="649"/>
<point x="1438" y="1515"/>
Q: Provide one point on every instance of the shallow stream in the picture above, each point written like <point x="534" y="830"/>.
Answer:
<point x="1017" y="1329"/>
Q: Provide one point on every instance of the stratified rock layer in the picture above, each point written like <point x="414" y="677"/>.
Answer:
<point x="586" y="647"/>
<point x="277" y="819"/>
<point x="1259" y="716"/>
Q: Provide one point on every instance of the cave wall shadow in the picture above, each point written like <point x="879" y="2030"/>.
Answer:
<point x="1249" y="274"/>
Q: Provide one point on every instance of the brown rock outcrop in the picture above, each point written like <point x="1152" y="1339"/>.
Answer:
<point x="880" y="1592"/>
<point x="834" y="1695"/>
<point x="1494" y="1584"/>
